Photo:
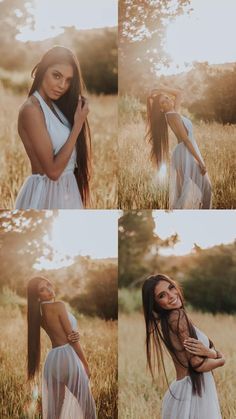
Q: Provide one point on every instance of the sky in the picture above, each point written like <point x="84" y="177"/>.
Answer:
<point x="51" y="15"/>
<point x="207" y="34"/>
<point x="205" y="228"/>
<point x="83" y="232"/>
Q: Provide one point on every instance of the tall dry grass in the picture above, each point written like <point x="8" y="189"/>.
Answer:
<point x="139" y="184"/>
<point x="139" y="398"/>
<point x="19" y="399"/>
<point x="15" y="167"/>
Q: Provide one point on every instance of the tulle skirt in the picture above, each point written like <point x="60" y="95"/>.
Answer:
<point x="66" y="393"/>
<point x="186" y="405"/>
<point x="188" y="188"/>
<point x="40" y="192"/>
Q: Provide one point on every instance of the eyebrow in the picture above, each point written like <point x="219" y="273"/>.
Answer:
<point x="157" y="295"/>
<point x="57" y="71"/>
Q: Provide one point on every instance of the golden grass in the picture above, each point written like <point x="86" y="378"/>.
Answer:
<point x="138" y="184"/>
<point x="15" y="167"/>
<point x="138" y="397"/>
<point x="99" y="341"/>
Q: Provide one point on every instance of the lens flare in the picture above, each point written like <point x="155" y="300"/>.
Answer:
<point x="162" y="172"/>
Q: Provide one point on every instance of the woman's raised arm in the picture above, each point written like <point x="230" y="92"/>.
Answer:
<point x="176" y="93"/>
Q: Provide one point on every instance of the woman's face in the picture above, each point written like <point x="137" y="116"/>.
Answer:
<point x="57" y="80"/>
<point x="167" y="295"/>
<point x="45" y="290"/>
<point x="166" y="104"/>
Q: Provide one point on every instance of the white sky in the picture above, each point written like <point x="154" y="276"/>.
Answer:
<point x="207" y="34"/>
<point x="205" y="228"/>
<point x="51" y="15"/>
<point x="83" y="232"/>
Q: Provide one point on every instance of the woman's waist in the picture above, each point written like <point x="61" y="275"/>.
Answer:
<point x="69" y="170"/>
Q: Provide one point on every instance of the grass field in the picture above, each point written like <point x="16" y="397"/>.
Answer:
<point x="139" y="186"/>
<point x="139" y="398"/>
<point x="19" y="400"/>
<point x="15" y="167"/>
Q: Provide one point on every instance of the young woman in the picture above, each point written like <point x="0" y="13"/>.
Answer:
<point x="193" y="394"/>
<point x="54" y="130"/>
<point x="190" y="187"/>
<point x="65" y="389"/>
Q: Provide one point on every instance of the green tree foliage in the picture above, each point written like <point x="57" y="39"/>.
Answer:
<point x="138" y="246"/>
<point x="210" y="285"/>
<point x="218" y="100"/>
<point x="142" y="27"/>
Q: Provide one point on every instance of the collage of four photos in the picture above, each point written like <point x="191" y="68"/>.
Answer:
<point x="117" y="209"/>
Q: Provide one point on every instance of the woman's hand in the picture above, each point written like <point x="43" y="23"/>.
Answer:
<point x="196" y="347"/>
<point x="87" y="371"/>
<point x="81" y="112"/>
<point x="203" y="169"/>
<point x="74" y="336"/>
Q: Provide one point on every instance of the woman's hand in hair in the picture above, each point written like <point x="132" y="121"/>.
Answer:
<point x="81" y="112"/>
<point x="74" y="336"/>
<point x="196" y="347"/>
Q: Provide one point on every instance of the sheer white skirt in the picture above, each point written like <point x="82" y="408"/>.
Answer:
<point x="187" y="405"/>
<point x="40" y="192"/>
<point x="188" y="188"/>
<point x="65" y="391"/>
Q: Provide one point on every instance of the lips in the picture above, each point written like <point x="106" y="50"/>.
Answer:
<point x="58" y="93"/>
<point x="174" y="301"/>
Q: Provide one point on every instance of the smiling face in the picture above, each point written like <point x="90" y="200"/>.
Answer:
<point x="167" y="295"/>
<point x="45" y="290"/>
<point x="166" y="104"/>
<point x="56" y="81"/>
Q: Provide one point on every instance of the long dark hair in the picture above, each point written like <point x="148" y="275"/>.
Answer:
<point x="67" y="104"/>
<point x="158" y="330"/>
<point x="157" y="131"/>
<point x="33" y="318"/>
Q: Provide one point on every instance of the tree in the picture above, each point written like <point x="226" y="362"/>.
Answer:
<point x="99" y="296"/>
<point x="142" y="26"/>
<point x="22" y="244"/>
<point x="211" y="284"/>
<point x="13" y="15"/>
<point x="218" y="102"/>
<point x="138" y="241"/>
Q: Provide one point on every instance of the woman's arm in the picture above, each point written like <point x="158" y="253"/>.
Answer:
<point x="177" y="93"/>
<point x="33" y="123"/>
<point x="196" y="347"/>
<point x="179" y="130"/>
<point x="65" y="322"/>
<point x="179" y="325"/>
<point x="210" y="364"/>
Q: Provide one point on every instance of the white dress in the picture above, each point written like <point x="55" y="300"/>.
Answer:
<point x="65" y="390"/>
<point x="187" y="405"/>
<point x="40" y="192"/>
<point x="188" y="188"/>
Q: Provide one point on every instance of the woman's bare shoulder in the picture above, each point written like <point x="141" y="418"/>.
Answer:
<point x="29" y="108"/>
<point x="177" y="317"/>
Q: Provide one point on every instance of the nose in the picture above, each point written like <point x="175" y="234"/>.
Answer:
<point x="62" y="83"/>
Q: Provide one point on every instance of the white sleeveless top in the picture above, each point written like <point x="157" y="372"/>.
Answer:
<point x="58" y="129"/>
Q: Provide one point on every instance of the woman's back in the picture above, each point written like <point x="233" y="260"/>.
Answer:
<point x="51" y="323"/>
